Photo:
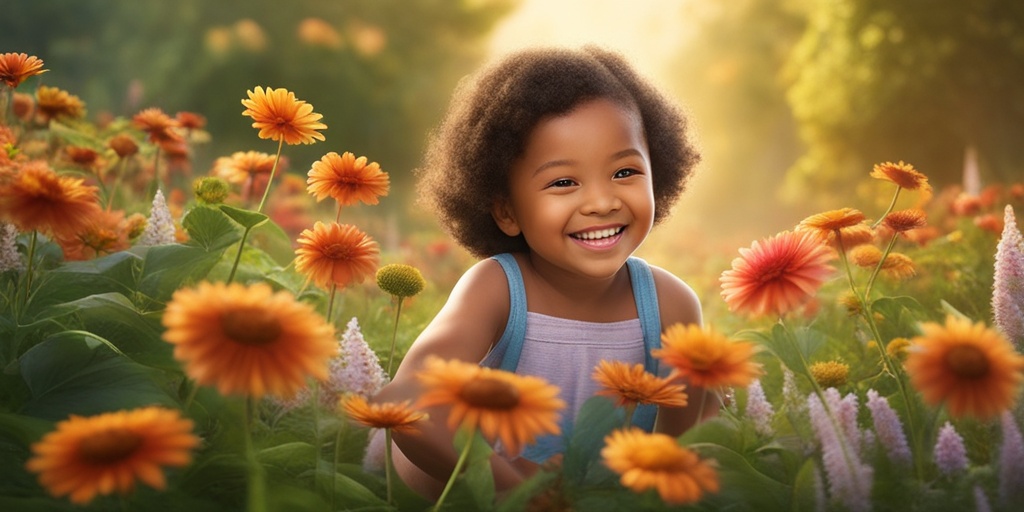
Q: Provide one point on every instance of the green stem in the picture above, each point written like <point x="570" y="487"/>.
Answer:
<point x="878" y="267"/>
<point x="337" y="456"/>
<point x="630" y="410"/>
<point x="388" y="469"/>
<point x="892" y="204"/>
<point x="330" y="302"/>
<point x="28" y="265"/>
<point x="191" y="395"/>
<point x="156" y="174"/>
<point x="123" y="164"/>
<point x="273" y="170"/>
<point x="703" y="401"/>
<point x="316" y="435"/>
<point x="394" y="335"/>
<point x="257" y="486"/>
<point x="455" y="472"/>
<point x="238" y="257"/>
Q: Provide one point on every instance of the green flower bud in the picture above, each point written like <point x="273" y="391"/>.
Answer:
<point x="210" y="190"/>
<point x="400" y="280"/>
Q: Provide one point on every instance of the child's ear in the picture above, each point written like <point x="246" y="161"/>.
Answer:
<point x="503" y="215"/>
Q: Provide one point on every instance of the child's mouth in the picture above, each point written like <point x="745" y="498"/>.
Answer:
<point x="599" y="237"/>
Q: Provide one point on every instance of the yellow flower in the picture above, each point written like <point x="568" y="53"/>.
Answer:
<point x="898" y="266"/>
<point x="898" y="348"/>
<point x="52" y="102"/>
<point x="656" y="461"/>
<point x="278" y="115"/>
<point x="830" y="374"/>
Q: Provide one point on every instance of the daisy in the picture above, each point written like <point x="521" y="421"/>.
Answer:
<point x="706" y="358"/>
<point x="16" y="67"/>
<point x="656" y="461"/>
<point x="399" y="417"/>
<point x="631" y="385"/>
<point x="347" y="179"/>
<point x="279" y="116"/>
<point x="902" y="174"/>
<point x="827" y="223"/>
<point x="336" y="254"/>
<point x="38" y="199"/>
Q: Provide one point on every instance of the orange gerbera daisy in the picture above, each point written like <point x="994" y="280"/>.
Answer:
<point x="502" y="405"/>
<point x="826" y="223"/>
<point x="241" y="166"/>
<point x="852" y="236"/>
<point x="865" y="255"/>
<point x="248" y="340"/>
<point x="974" y="370"/>
<point x="190" y="120"/>
<point x="124" y="145"/>
<point x="16" y="67"/>
<point x="902" y="174"/>
<point x="656" y="461"/>
<point x="632" y="384"/>
<point x="399" y="417"/>
<point x="279" y="116"/>
<point x="905" y="220"/>
<point x="336" y="254"/>
<point x="347" y="179"/>
<point x="898" y="266"/>
<point x="707" y="358"/>
<point x="107" y="453"/>
<point x="52" y="102"/>
<point x="38" y="199"/>
<point x="777" y="274"/>
<point x="158" y="125"/>
<point x="106" y="233"/>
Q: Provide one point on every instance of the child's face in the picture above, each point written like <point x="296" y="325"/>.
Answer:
<point x="581" y="192"/>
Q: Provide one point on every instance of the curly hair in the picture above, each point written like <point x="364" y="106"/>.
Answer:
<point x="470" y="155"/>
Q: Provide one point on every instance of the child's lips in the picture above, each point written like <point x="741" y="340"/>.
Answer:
<point x="601" y="238"/>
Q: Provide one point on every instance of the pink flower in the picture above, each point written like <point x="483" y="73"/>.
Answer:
<point x="759" y="409"/>
<point x="849" y="479"/>
<point x="950" y="453"/>
<point x="1011" y="462"/>
<point x="889" y="429"/>
<point x="1008" y="290"/>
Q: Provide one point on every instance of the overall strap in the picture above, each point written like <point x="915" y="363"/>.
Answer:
<point x="646" y="297"/>
<point x="510" y="345"/>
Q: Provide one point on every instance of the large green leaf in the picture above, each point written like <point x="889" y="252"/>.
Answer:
<point x="246" y="218"/>
<point x="168" y="267"/>
<point x="210" y="228"/>
<point x="743" y="487"/>
<point x="595" y="420"/>
<point x="116" y="273"/>
<point x="807" y="488"/>
<point x="70" y="373"/>
<point x="17" y="433"/>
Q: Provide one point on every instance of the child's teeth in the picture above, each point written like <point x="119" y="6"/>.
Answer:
<point x="594" y="235"/>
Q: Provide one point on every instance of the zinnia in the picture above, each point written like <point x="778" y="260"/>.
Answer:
<point x="827" y="223"/>
<point x="777" y="274"/>
<point x="707" y="358"/>
<point x="16" y="67"/>
<point x="630" y="385"/>
<point x="969" y="367"/>
<point x="502" y="405"/>
<point x="347" y="179"/>
<point x="248" y="340"/>
<point x="902" y="221"/>
<point x="397" y="416"/>
<point x="278" y="115"/>
<point x="38" y="199"/>
<point x="902" y="174"/>
<point x="158" y="125"/>
<point x="52" y="102"/>
<point x="107" y="453"/>
<point x="656" y="461"/>
<point x="336" y="254"/>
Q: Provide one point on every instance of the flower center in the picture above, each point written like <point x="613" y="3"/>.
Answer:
<point x="489" y="393"/>
<point x="109" y="446"/>
<point x="657" y="456"/>
<point x="967" y="361"/>
<point x="774" y="272"/>
<point x="250" y="326"/>
<point x="337" y="251"/>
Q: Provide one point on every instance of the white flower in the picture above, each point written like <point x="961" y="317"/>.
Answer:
<point x="160" y="226"/>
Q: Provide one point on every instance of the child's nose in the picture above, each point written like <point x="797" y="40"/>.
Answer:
<point x="600" y="200"/>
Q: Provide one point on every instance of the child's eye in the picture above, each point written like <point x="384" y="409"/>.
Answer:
<point x="564" y="182"/>
<point x="625" y="173"/>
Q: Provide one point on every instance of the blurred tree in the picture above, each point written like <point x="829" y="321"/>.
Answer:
<point x="913" y="80"/>
<point x="381" y="72"/>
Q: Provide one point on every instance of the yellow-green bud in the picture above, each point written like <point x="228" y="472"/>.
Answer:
<point x="830" y="374"/>
<point x="400" y="280"/>
<point x="210" y="189"/>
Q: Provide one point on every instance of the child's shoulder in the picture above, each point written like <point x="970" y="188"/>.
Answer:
<point x="677" y="302"/>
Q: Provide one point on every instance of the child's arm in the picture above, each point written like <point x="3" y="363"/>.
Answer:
<point x="677" y="303"/>
<point x="468" y="324"/>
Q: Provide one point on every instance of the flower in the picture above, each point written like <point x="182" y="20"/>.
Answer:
<point x="158" y="125"/>
<point x="852" y="236"/>
<point x="99" y="455"/>
<point x="656" y="461"/>
<point x="502" y="405"/>
<point x="830" y="374"/>
<point x="16" y="67"/>
<point x="247" y="340"/>
<point x="243" y="165"/>
<point x="347" y="179"/>
<point x="897" y="349"/>
<point x="865" y="255"/>
<point x="106" y="233"/>
<point x="759" y="409"/>
<point x="706" y="358"/>
<point x="278" y="115"/>
<point x="777" y="274"/>
<point x="849" y="479"/>
<point x="400" y="280"/>
<point x="1008" y="287"/>
<point x="124" y="145"/>
<point x="898" y="266"/>
<point x="889" y="429"/>
<point x="52" y="102"/>
<point x="969" y="367"/>
<point x="210" y="189"/>
<point x="902" y="221"/>
<point x="631" y="385"/>
<point x="902" y="174"/>
<point x="950" y="452"/>
<point x="160" y="227"/>
<point x="190" y="120"/>
<point x="827" y="223"/>
<point x="1011" y="461"/>
<point x="399" y="417"/>
<point x="336" y="254"/>
<point x="37" y="198"/>
<point x="10" y="259"/>
<point x="357" y="368"/>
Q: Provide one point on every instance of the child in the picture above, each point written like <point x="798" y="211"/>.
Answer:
<point x="553" y="165"/>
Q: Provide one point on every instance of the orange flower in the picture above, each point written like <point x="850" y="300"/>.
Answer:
<point x="852" y="236"/>
<point x="159" y="126"/>
<point x="248" y="340"/>
<point x="656" y="461"/>
<point x="124" y="145"/>
<point x="242" y="166"/>
<point x="399" y="417"/>
<point x="106" y="233"/>
<point x="347" y="179"/>
<point x="37" y="198"/>
<point x="52" y="102"/>
<point x="825" y="224"/>
<point x="107" y="453"/>
<point x="16" y="67"/>
<point x="902" y="174"/>
<point x="706" y="358"/>
<point x="86" y="157"/>
<point x="279" y="116"/>
<point x="898" y="266"/>
<point x="905" y="220"/>
<point x="502" y="405"/>
<point x="190" y="120"/>
<point x="974" y="370"/>
<point x="336" y="254"/>
<point x="865" y="255"/>
<point x="631" y="385"/>
<point x="777" y="274"/>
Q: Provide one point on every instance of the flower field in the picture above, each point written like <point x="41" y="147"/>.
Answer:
<point x="181" y="340"/>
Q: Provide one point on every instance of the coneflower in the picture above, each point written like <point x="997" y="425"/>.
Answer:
<point x="160" y="227"/>
<point x="888" y="428"/>
<point x="1008" y="289"/>
<point x="950" y="453"/>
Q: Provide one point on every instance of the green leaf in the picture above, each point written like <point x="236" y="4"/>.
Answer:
<point x="594" y="421"/>
<point x="210" y="228"/>
<point x="293" y="458"/>
<point x="806" y="488"/>
<point x="742" y="483"/>
<point x="246" y="218"/>
<point x="69" y="373"/>
<point x="271" y="239"/>
<point x="167" y="267"/>
<point x="116" y="273"/>
<point x="474" y="488"/>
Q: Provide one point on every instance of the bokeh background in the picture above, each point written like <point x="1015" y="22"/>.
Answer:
<point x="791" y="101"/>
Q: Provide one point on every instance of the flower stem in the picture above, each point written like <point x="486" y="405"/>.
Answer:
<point x="273" y="169"/>
<point x="257" y="487"/>
<point x="878" y="267"/>
<point x="123" y="164"/>
<point x="337" y="456"/>
<point x="700" y="411"/>
<point x="28" y="264"/>
<point x="892" y="204"/>
<point x="330" y="302"/>
<point x="394" y="335"/>
<point x="156" y="174"/>
<point x="630" y="410"/>
<point x="455" y="472"/>
<point x="388" y="469"/>
<point x="238" y="257"/>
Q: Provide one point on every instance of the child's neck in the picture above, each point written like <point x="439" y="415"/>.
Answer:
<point x="553" y="292"/>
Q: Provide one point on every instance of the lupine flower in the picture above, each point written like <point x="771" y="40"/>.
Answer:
<point x="981" y="503"/>
<point x="1011" y="461"/>
<point x="888" y="428"/>
<point x="357" y="368"/>
<point x="1008" y="290"/>
<point x="845" y="410"/>
<point x="950" y="453"/>
<point x="849" y="479"/>
<point x="792" y="399"/>
<point x="160" y="227"/>
<point x="656" y="461"/>
<point x="759" y="409"/>
<point x="10" y="259"/>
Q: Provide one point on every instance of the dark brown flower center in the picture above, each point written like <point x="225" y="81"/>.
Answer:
<point x="109" y="446"/>
<point x="337" y="251"/>
<point x="967" y="361"/>
<point x="250" y="326"/>
<point x="489" y="393"/>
